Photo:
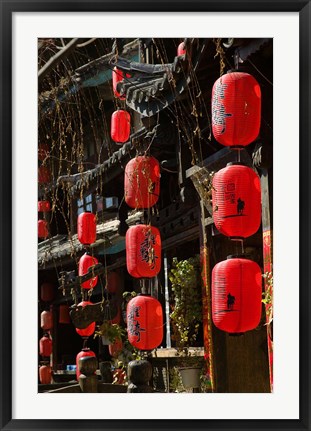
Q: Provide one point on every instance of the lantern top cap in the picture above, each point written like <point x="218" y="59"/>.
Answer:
<point x="238" y="256"/>
<point x="236" y="164"/>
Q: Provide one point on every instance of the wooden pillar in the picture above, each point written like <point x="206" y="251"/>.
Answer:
<point x="206" y="296"/>
<point x="88" y="379"/>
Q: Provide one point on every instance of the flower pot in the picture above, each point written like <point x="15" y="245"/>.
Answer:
<point x="105" y="341"/>
<point x="190" y="377"/>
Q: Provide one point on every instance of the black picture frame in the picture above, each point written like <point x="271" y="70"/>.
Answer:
<point x="303" y="374"/>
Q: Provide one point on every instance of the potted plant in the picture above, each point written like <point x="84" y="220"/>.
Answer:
<point x="110" y="332"/>
<point x="186" y="316"/>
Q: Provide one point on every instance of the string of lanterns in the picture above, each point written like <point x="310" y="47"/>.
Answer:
<point x="236" y="197"/>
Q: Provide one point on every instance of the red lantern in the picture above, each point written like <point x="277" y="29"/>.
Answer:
<point x="120" y="126"/>
<point x="144" y="322"/>
<point x="142" y="182"/>
<point x="45" y="374"/>
<point x="236" y="295"/>
<point x="46" y="320"/>
<point x="87" y="228"/>
<point x="236" y="199"/>
<point x="143" y="251"/>
<point x="43" y="231"/>
<point x="44" y="175"/>
<point x="84" y="353"/>
<point x="43" y="151"/>
<point x="115" y="348"/>
<point x="45" y="345"/>
<point x="64" y="316"/>
<point x="47" y="292"/>
<point x="181" y="50"/>
<point x="89" y="330"/>
<point x="113" y="282"/>
<point x="44" y="206"/>
<point x="236" y="109"/>
<point x="117" y="76"/>
<point x="86" y="261"/>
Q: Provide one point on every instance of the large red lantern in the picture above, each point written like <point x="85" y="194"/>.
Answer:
<point x="87" y="261"/>
<point x="45" y="374"/>
<point x="236" y="196"/>
<point x="87" y="228"/>
<point x="143" y="251"/>
<point x="45" y="346"/>
<point x="181" y="50"/>
<point x="120" y="126"/>
<point x="83" y="354"/>
<point x="236" y="295"/>
<point x="144" y="322"/>
<point x="43" y="231"/>
<point x="46" y="320"/>
<point x="142" y="182"/>
<point x="44" y="175"/>
<point x="44" y="206"/>
<point x="89" y="330"/>
<point x="64" y="316"/>
<point x="47" y="292"/>
<point x="236" y="109"/>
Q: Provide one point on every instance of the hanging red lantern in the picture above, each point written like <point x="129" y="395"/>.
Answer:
<point x="44" y="206"/>
<point x="43" y="151"/>
<point x="46" y="320"/>
<point x="45" y="374"/>
<point x="89" y="330"/>
<point x="47" y="292"/>
<point x="115" y="348"/>
<point x="43" y="231"/>
<point x="44" y="175"/>
<point x="236" y="109"/>
<point x="236" y="197"/>
<point x="87" y="228"/>
<point x="120" y="126"/>
<point x="86" y="261"/>
<point x="64" y="316"/>
<point x="181" y="50"/>
<point x="144" y="322"/>
<point x="236" y="295"/>
<point x="142" y="182"/>
<point x="45" y="346"/>
<point x="143" y="251"/>
<point x="83" y="354"/>
<point x="117" y="76"/>
<point x="113" y="282"/>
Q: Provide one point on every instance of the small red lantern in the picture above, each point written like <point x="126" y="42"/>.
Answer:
<point x="143" y="251"/>
<point x="47" y="292"/>
<point x="45" y="374"/>
<point x="236" y="196"/>
<point x="43" y="231"/>
<point x="87" y="228"/>
<point x="236" y="109"/>
<point x="115" y="348"/>
<point x="45" y="345"/>
<point x="236" y="295"/>
<point x="89" y="330"/>
<point x="86" y="261"/>
<point x="84" y="353"/>
<point x="144" y="322"/>
<point x="46" y="320"/>
<point x="113" y="282"/>
<point x="43" y="151"/>
<point x="120" y="126"/>
<point x="117" y="76"/>
<point x="44" y="206"/>
<point x="181" y="50"/>
<point x="44" y="175"/>
<point x="64" y="316"/>
<point x="142" y="182"/>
